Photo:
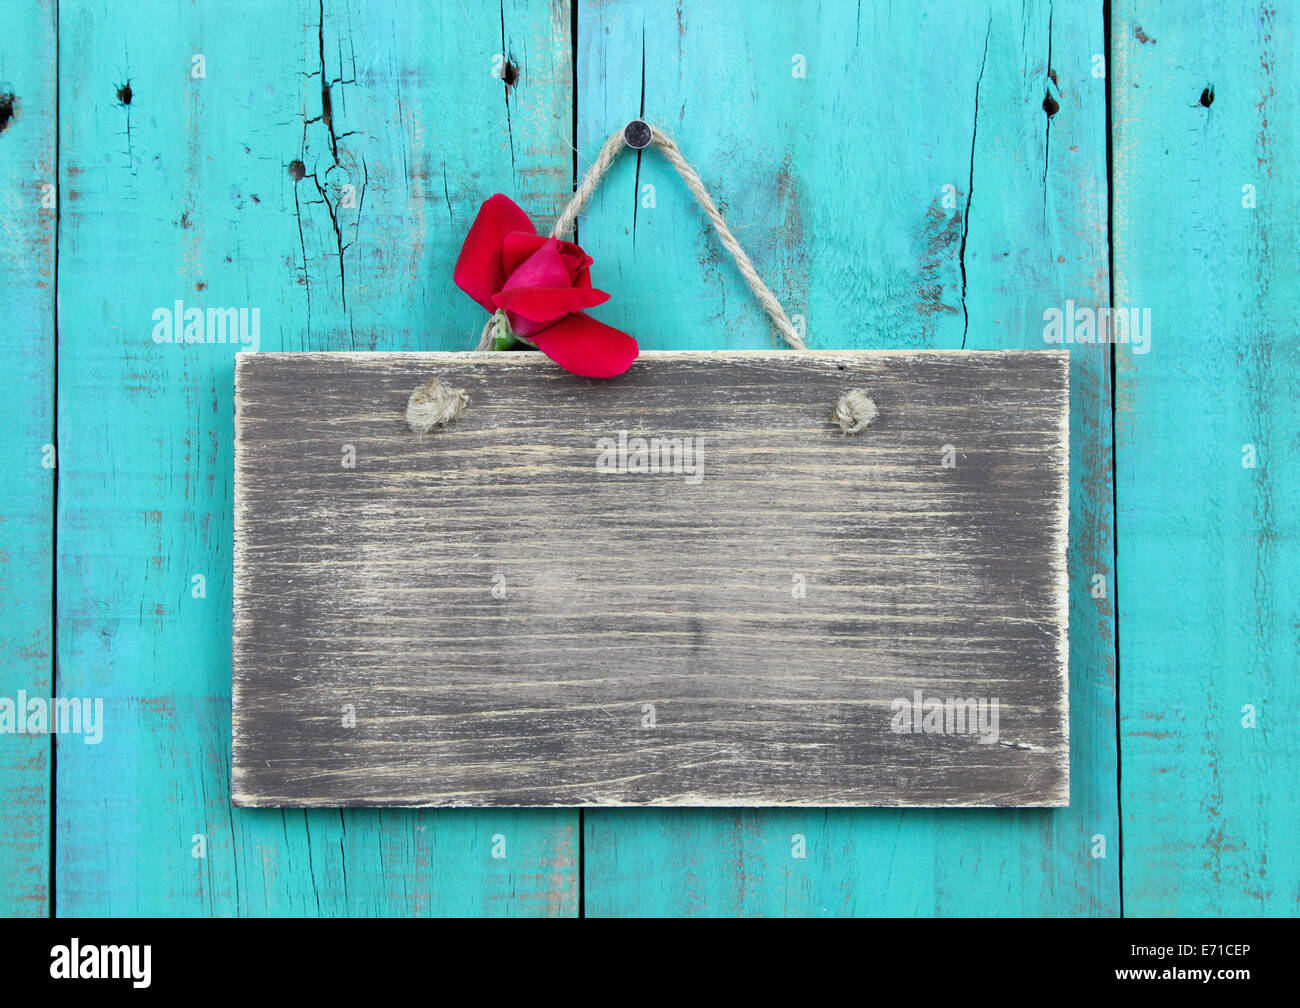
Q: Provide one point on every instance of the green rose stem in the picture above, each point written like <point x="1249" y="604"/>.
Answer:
<point x="503" y="337"/>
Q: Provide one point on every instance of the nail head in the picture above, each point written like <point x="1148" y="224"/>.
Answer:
<point x="637" y="134"/>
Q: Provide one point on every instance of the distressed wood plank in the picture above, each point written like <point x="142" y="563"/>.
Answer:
<point x="1207" y="226"/>
<point x="190" y="192"/>
<point x="27" y="237"/>
<point x="891" y="206"/>
<point x="482" y="618"/>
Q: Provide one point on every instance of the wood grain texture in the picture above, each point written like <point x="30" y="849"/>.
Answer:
<point x="1207" y="222"/>
<point x="27" y="235"/>
<point x="482" y="617"/>
<point x="191" y="192"/>
<point x="891" y="205"/>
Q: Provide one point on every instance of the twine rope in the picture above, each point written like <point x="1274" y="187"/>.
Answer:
<point x="609" y="152"/>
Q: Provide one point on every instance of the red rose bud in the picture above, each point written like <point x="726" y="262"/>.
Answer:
<point x="542" y="285"/>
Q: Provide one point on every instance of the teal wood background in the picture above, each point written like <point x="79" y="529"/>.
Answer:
<point x="893" y="172"/>
<point x="1209" y="571"/>
<point x="27" y="250"/>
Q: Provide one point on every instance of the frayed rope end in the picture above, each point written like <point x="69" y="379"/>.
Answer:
<point x="434" y="404"/>
<point x="854" y="411"/>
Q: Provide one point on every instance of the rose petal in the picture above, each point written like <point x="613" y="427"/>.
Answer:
<point x="532" y="309"/>
<point x="518" y="246"/>
<point x="479" y="271"/>
<point x="586" y="347"/>
<point x="579" y="264"/>
<point x="583" y="276"/>
<point x="544" y="268"/>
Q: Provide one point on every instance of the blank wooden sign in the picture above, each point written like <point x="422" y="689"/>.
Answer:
<point x="684" y="586"/>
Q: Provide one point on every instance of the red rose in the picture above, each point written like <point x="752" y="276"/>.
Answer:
<point x="541" y="285"/>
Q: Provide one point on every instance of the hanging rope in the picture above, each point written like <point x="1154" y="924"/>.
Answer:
<point x="609" y="152"/>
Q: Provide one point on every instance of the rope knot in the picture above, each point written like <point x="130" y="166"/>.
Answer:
<point x="854" y="411"/>
<point x="434" y="404"/>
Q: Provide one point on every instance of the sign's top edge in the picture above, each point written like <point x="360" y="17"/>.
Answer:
<point x="527" y="356"/>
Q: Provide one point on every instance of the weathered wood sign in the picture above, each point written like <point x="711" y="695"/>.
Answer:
<point x="684" y="586"/>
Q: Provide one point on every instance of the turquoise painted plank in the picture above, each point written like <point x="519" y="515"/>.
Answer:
<point x="893" y="199"/>
<point x="1207" y="223"/>
<point x="27" y="227"/>
<point x="191" y="193"/>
